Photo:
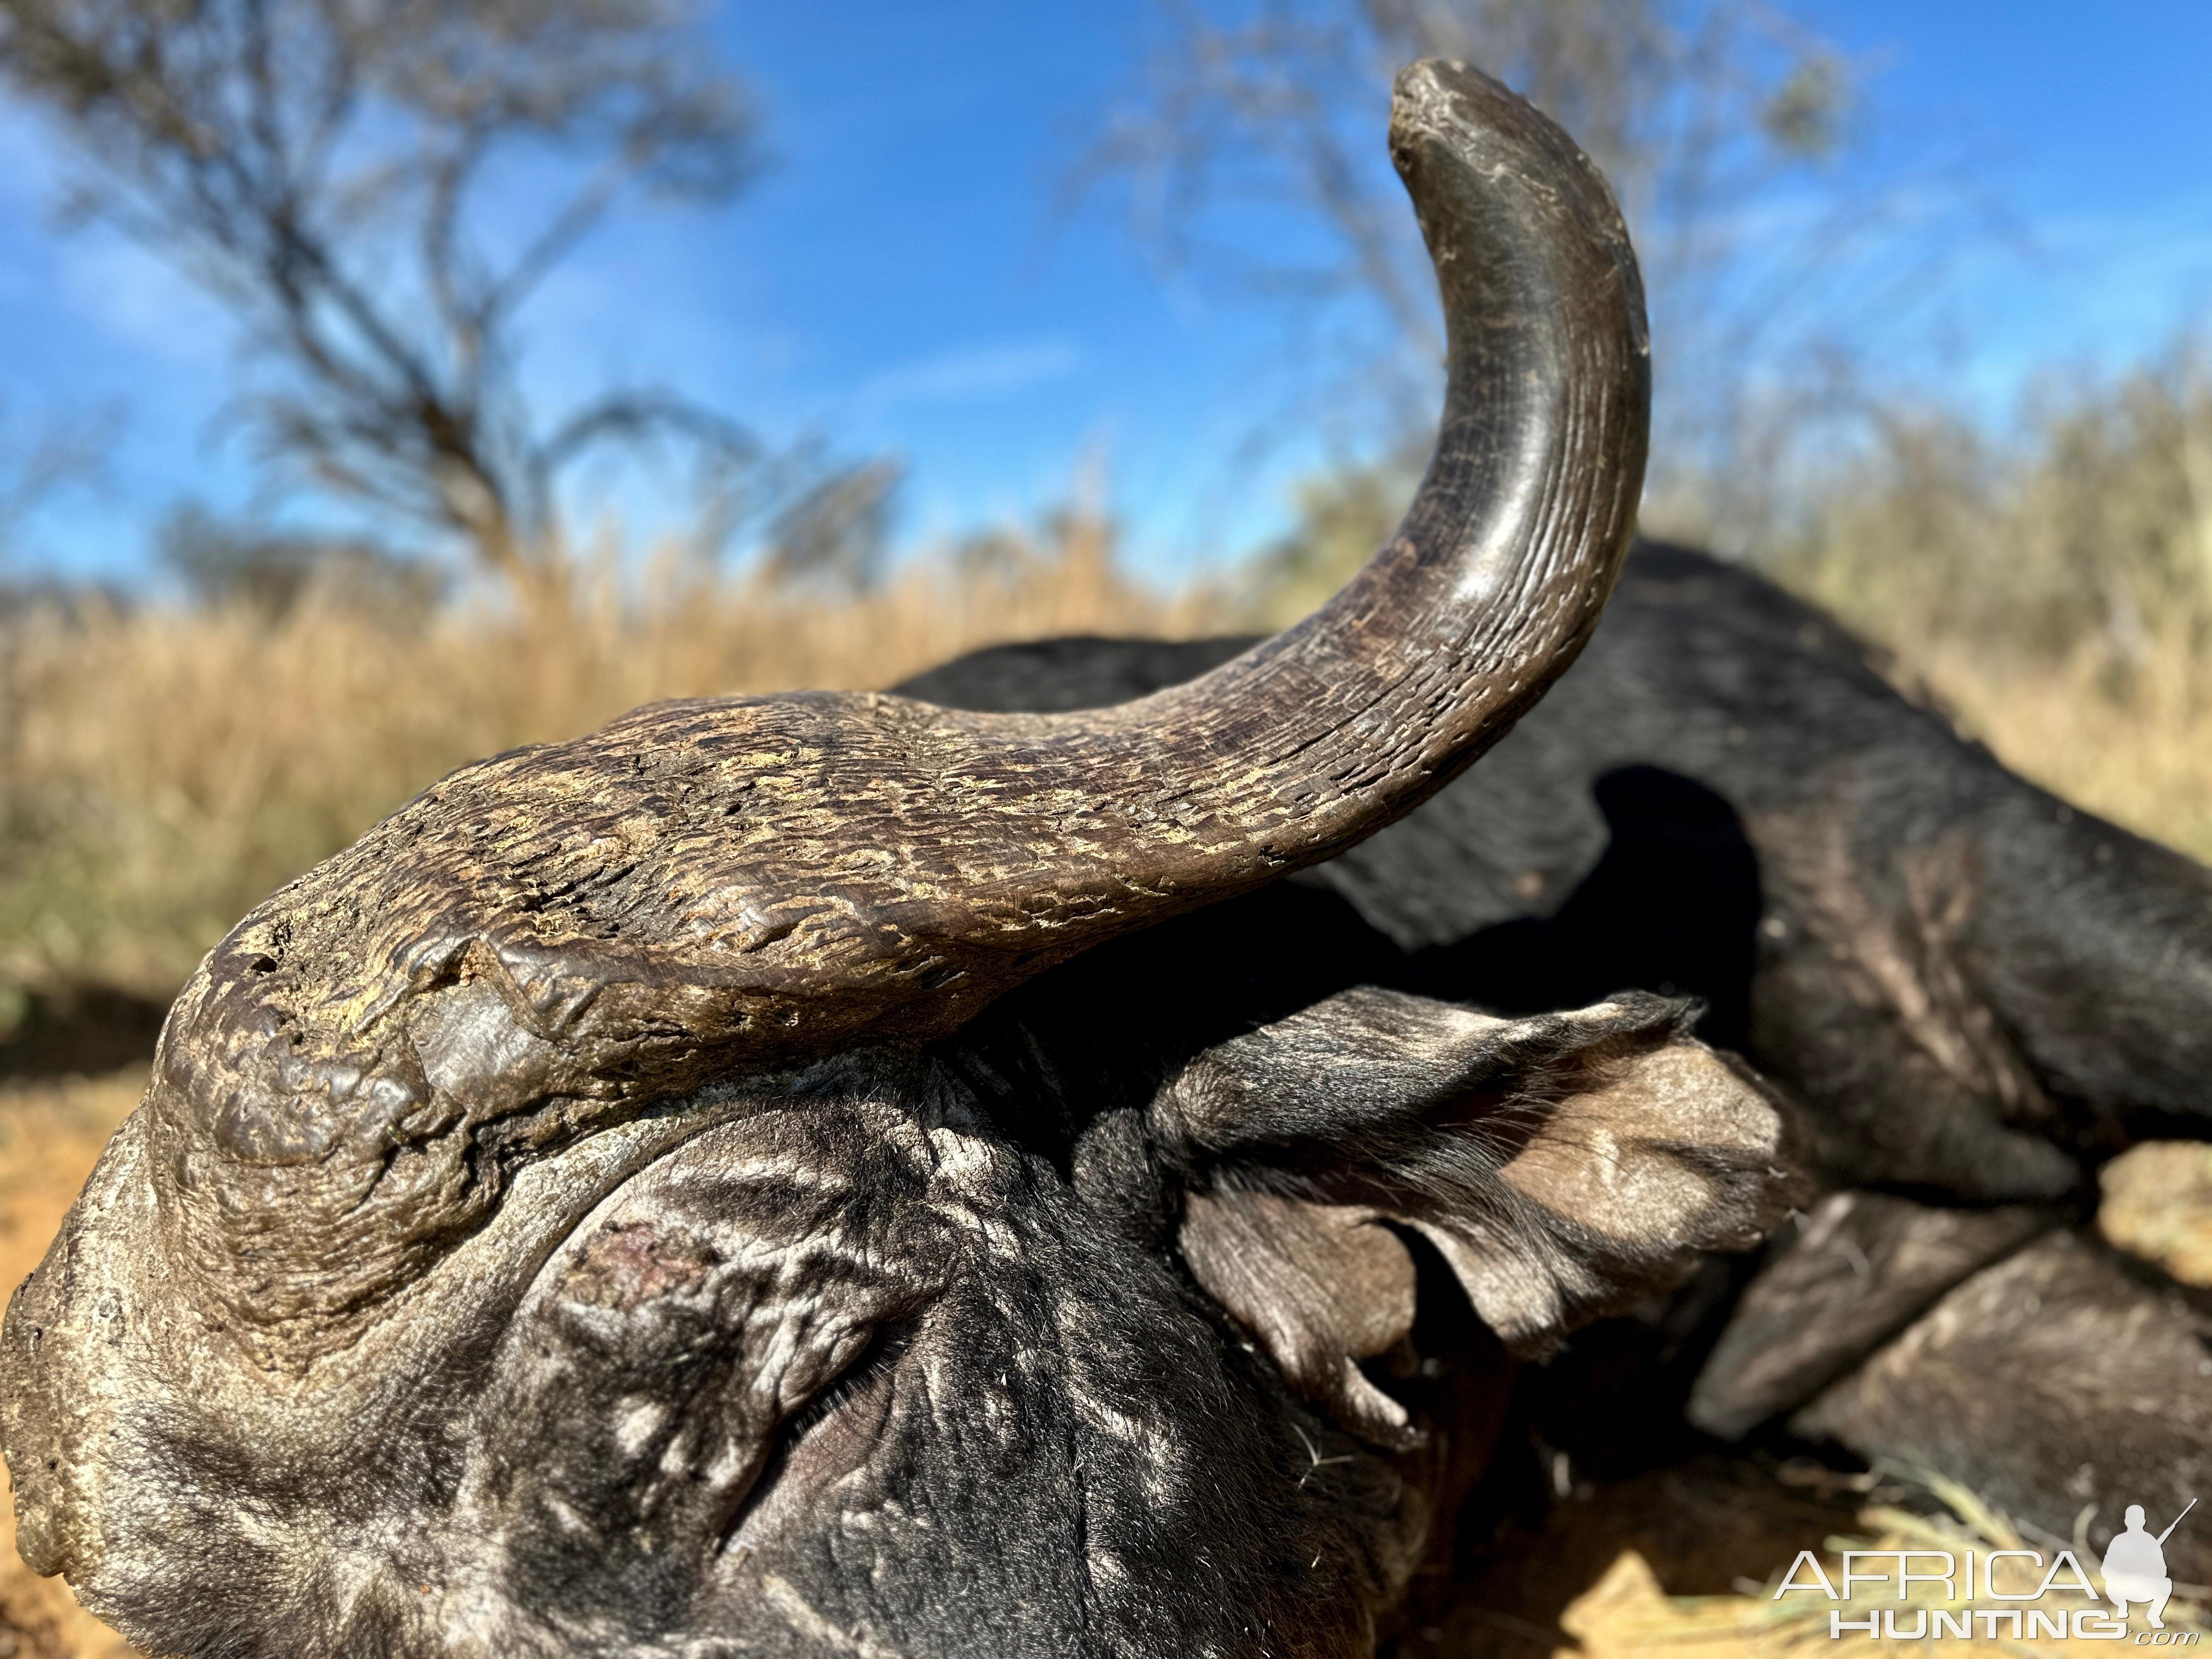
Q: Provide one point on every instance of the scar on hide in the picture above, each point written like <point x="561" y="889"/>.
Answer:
<point x="1909" y="964"/>
<point x="630" y="1263"/>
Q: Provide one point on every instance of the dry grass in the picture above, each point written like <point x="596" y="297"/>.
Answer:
<point x="1686" y="1559"/>
<point x="162" y="771"/>
<point x="1631" y="1611"/>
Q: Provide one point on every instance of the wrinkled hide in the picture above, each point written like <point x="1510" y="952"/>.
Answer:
<point x="2063" y="1379"/>
<point x="1844" y="1280"/>
<point x="820" y="1368"/>
<point x="849" y="1364"/>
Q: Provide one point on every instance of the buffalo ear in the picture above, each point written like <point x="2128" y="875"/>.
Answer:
<point x="1563" y="1166"/>
<point x="1321" y="1286"/>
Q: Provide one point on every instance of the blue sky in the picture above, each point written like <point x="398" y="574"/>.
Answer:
<point x="2092" y="126"/>
<point x="906" y="276"/>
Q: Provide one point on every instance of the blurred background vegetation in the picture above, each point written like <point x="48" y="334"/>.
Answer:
<point x="329" y="174"/>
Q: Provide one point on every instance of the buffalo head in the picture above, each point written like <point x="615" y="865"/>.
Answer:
<point x="589" y="1215"/>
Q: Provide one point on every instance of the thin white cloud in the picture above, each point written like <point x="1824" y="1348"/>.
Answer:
<point x="966" y="376"/>
<point x="135" y="300"/>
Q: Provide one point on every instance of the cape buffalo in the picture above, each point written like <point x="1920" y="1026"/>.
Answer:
<point x="701" y="1189"/>
<point x="1976" y="992"/>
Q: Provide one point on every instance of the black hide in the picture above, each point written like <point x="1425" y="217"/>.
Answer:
<point x="1975" y="992"/>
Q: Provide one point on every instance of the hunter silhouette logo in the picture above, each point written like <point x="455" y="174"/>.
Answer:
<point x="2135" y="1567"/>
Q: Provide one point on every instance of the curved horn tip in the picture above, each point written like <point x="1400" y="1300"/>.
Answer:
<point x="1455" y="119"/>
<point x="1422" y="93"/>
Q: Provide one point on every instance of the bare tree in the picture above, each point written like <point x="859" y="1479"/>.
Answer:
<point x="341" y="173"/>
<point x="1251" y="130"/>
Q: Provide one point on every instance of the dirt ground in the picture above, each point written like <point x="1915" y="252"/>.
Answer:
<point x="50" y="1133"/>
<point x="1673" y="1562"/>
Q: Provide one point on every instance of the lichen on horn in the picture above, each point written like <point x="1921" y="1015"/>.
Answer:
<point x="561" y="937"/>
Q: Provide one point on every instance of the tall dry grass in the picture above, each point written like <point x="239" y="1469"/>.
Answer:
<point x="2050" y="580"/>
<point x="161" y="769"/>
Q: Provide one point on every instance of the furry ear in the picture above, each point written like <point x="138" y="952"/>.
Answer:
<point x="1322" y="1286"/>
<point x="1563" y="1166"/>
